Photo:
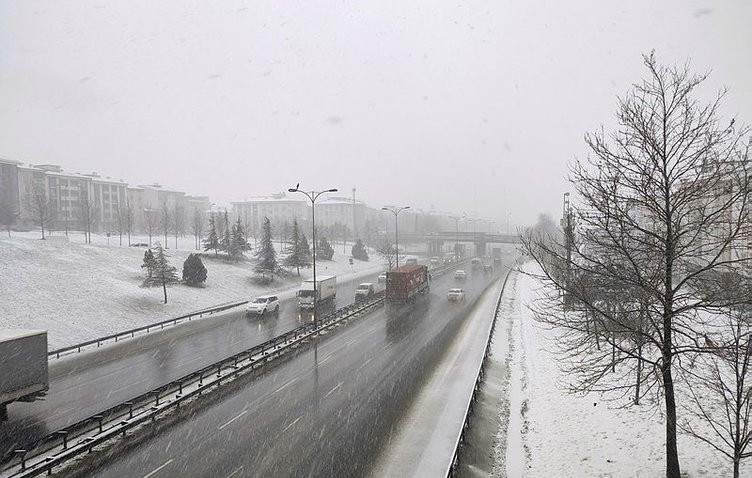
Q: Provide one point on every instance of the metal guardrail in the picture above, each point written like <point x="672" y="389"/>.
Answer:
<point x="144" y="408"/>
<point x="144" y="328"/>
<point x="478" y="377"/>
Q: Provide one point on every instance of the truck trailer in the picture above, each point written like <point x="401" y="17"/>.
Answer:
<point x="326" y="290"/>
<point x="405" y="283"/>
<point x="23" y="367"/>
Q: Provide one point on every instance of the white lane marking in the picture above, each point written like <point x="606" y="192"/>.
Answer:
<point x="332" y="390"/>
<point x="291" y="424"/>
<point x="236" y="470"/>
<point x="327" y="358"/>
<point x="283" y="386"/>
<point x="364" y="364"/>
<point x="156" y="470"/>
<point x="235" y="418"/>
<point x="350" y="342"/>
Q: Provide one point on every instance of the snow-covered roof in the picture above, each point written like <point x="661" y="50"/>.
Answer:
<point x="10" y="161"/>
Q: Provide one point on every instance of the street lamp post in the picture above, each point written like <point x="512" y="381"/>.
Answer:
<point x="456" y="237"/>
<point x="312" y="196"/>
<point x="396" y="211"/>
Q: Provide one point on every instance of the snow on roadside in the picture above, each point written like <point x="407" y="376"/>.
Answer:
<point x="552" y="433"/>
<point x="79" y="292"/>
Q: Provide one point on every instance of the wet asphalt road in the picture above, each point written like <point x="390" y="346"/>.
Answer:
<point x="326" y="410"/>
<point x="85" y="384"/>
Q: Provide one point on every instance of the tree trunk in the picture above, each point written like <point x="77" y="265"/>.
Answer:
<point x="639" y="376"/>
<point x="164" y="289"/>
<point x="672" y="455"/>
<point x="736" y="468"/>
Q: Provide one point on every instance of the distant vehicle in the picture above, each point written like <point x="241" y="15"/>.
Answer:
<point x="476" y="263"/>
<point x="435" y="261"/>
<point x="497" y="260"/>
<point x="364" y="291"/>
<point x="139" y="244"/>
<point x="448" y="260"/>
<point x="411" y="260"/>
<point x="23" y="367"/>
<point x="263" y="305"/>
<point x="382" y="278"/>
<point x="460" y="275"/>
<point x="326" y="290"/>
<point x="488" y="269"/>
<point x="406" y="283"/>
<point x="456" y="295"/>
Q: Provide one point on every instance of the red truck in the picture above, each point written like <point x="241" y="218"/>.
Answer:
<point x="405" y="283"/>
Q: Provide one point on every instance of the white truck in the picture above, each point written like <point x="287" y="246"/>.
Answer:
<point x="326" y="290"/>
<point x="23" y="366"/>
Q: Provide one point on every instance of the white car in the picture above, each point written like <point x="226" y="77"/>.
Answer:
<point x="460" y="275"/>
<point x="456" y="295"/>
<point x="382" y="278"/>
<point x="262" y="305"/>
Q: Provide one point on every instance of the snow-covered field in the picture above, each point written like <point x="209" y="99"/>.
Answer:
<point x="79" y="292"/>
<point x="552" y="433"/>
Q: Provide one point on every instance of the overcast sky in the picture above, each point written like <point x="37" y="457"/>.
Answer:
<point x="472" y="106"/>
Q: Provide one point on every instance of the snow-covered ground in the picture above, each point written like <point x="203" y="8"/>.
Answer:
<point x="79" y="292"/>
<point x="552" y="433"/>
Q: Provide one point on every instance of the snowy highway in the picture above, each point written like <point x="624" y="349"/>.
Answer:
<point x="85" y="384"/>
<point x="326" y="410"/>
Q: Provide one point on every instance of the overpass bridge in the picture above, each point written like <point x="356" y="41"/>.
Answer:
<point x="437" y="240"/>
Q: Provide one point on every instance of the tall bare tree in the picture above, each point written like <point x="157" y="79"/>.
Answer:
<point x="198" y="222"/>
<point x="129" y="221"/>
<point x="151" y="221"/>
<point x="8" y="213"/>
<point x="87" y="213"/>
<point x="178" y="222"/>
<point x="165" y="220"/>
<point x="40" y="206"/>
<point x="663" y="201"/>
<point x="387" y="252"/>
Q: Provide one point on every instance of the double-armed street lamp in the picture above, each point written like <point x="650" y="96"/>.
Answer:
<point x="312" y="196"/>
<point x="395" y="211"/>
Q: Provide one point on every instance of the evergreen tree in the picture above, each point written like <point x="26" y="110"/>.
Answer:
<point x="194" y="271"/>
<point x="325" y="250"/>
<point x="238" y="241"/>
<point x="265" y="254"/>
<point x="295" y="255"/>
<point x="305" y="251"/>
<point x="359" y="251"/>
<point x="211" y="243"/>
<point x="163" y="273"/>
<point x="148" y="263"/>
<point x="225" y="244"/>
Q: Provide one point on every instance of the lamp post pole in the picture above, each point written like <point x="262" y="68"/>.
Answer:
<point x="396" y="211"/>
<point x="312" y="196"/>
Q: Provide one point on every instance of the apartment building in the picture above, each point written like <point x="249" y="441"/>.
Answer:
<point x="279" y="209"/>
<point x="10" y="201"/>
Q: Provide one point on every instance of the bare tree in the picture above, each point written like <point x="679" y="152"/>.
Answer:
<point x="41" y="207"/>
<point x="8" y="214"/>
<point x="87" y="213"/>
<point x="129" y="221"/>
<point x="719" y="388"/>
<point x="198" y="221"/>
<point x="151" y="221"/>
<point x="178" y="222"/>
<point x="387" y="252"/>
<point x="664" y="201"/>
<point x="165" y="220"/>
<point x="120" y="222"/>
